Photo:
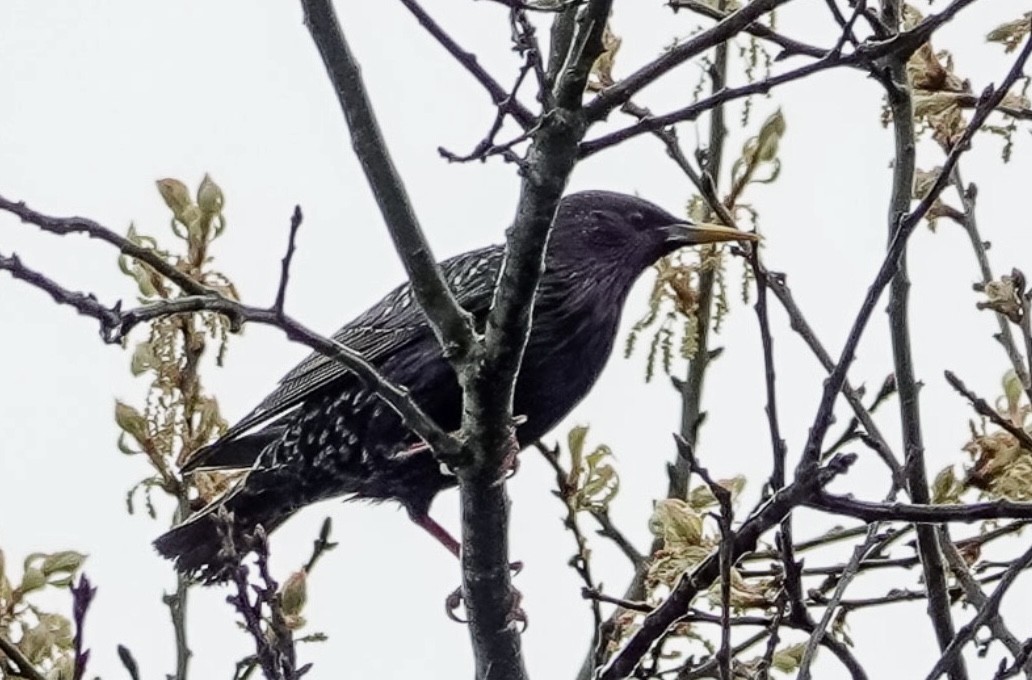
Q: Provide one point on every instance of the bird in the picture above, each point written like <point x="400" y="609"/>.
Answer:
<point x="323" y="434"/>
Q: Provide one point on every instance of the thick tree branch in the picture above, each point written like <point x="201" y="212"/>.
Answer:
<point x="488" y="389"/>
<point x="561" y="37"/>
<point x="452" y="325"/>
<point x="918" y="513"/>
<point x="900" y="102"/>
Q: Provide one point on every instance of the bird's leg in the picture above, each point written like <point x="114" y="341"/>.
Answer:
<point x="440" y="534"/>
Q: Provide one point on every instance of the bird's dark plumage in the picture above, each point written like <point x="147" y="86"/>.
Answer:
<point x="322" y="434"/>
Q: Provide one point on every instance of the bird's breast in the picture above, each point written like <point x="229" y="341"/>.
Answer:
<point x="566" y="352"/>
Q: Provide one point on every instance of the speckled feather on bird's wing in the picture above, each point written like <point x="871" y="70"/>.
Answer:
<point x="379" y="332"/>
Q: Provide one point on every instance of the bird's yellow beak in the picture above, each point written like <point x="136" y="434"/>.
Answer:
<point x="698" y="233"/>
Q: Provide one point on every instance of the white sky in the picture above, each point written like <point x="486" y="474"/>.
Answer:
<point x="100" y="99"/>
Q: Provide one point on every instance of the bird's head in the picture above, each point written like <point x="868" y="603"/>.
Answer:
<point x="618" y="236"/>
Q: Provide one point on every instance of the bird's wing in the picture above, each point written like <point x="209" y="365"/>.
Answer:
<point x="387" y="326"/>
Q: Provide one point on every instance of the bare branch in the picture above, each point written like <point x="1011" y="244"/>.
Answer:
<point x="116" y="324"/>
<point x="789" y="46"/>
<point x="488" y="390"/>
<point x="581" y="560"/>
<point x="452" y="325"/>
<point x="487" y="146"/>
<point x="610" y="531"/>
<point x="973" y="593"/>
<point x="969" y="222"/>
<point x="691" y="583"/>
<point x="281" y="291"/>
<point x="989" y="100"/>
<point x="983" y="408"/>
<point x="616" y="95"/>
<point x="843" y="579"/>
<point x="900" y="101"/>
<point x="63" y="226"/>
<point x="778" y="285"/>
<point x="919" y="513"/>
<point x="989" y="610"/>
<point x="863" y="57"/>
<point x="505" y="102"/>
<point x="725" y="551"/>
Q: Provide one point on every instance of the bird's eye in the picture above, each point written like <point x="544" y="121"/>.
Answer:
<point x="636" y="219"/>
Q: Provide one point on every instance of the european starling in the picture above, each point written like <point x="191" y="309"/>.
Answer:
<point x="322" y="434"/>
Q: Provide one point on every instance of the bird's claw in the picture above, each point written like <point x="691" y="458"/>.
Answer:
<point x="510" y="466"/>
<point x="452" y="603"/>
<point x="515" y="614"/>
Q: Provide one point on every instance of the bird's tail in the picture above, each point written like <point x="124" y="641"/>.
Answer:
<point x="199" y="545"/>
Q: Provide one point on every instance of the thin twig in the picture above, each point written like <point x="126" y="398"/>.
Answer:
<point x="116" y="325"/>
<point x="989" y="100"/>
<point x="974" y="594"/>
<point x="969" y="222"/>
<point x="902" y="45"/>
<point x="790" y="46"/>
<point x="321" y="545"/>
<point x="609" y="530"/>
<point x="281" y="290"/>
<point x="851" y="569"/>
<point x="80" y="225"/>
<point x="615" y="96"/>
<point x="983" y="408"/>
<point x="989" y="609"/>
<point x="581" y="560"/>
<point x="469" y="62"/>
<point x="487" y="146"/>
<point x="727" y="539"/>
<point x="691" y="583"/>
<point x="772" y="642"/>
<point x="177" y="601"/>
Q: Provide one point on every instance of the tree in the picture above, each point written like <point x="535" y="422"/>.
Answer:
<point x="705" y="532"/>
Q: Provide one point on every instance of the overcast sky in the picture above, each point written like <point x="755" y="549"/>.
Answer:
<point x="100" y="99"/>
